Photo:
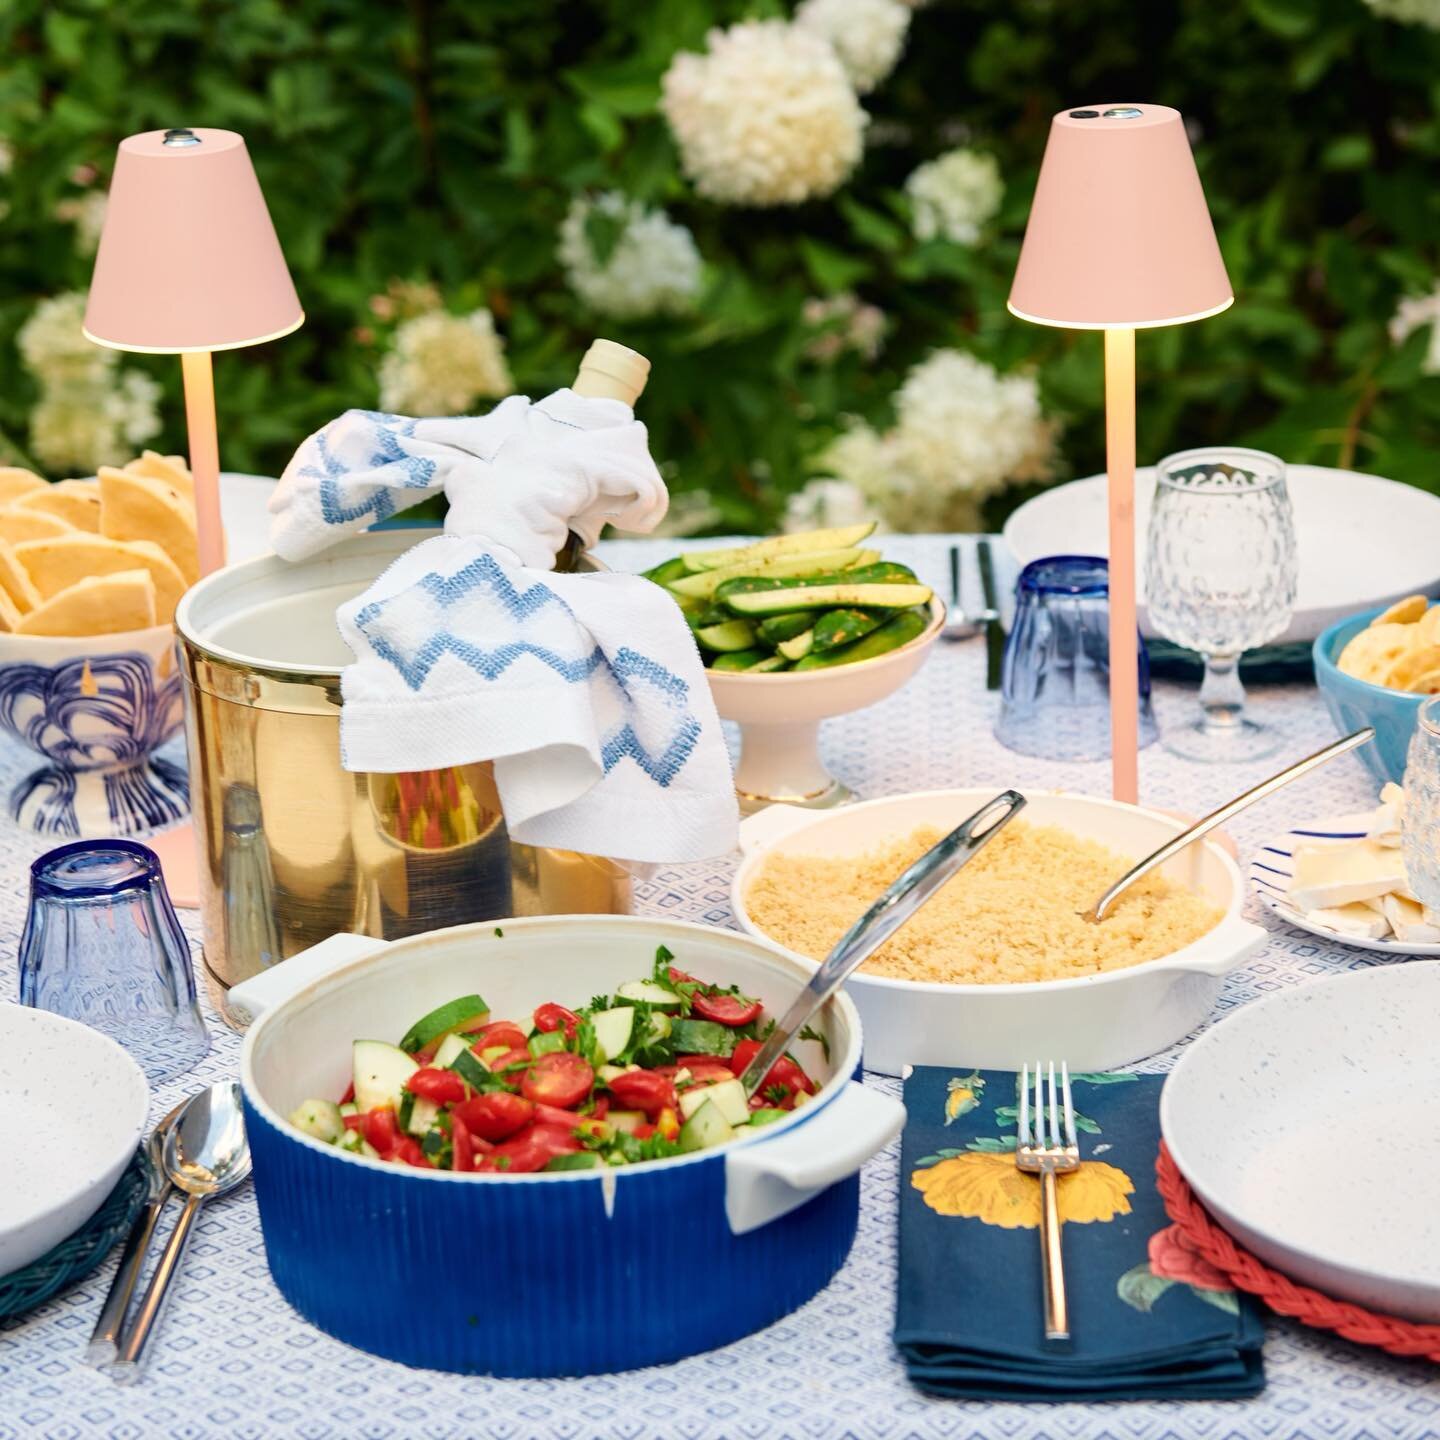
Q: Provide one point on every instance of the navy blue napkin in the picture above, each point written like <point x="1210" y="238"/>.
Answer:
<point x="1147" y="1318"/>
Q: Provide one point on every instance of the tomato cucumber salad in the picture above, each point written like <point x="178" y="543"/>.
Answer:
<point x="646" y="1073"/>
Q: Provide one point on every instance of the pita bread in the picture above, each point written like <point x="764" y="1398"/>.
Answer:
<point x="54" y="565"/>
<point x="19" y="524"/>
<point x="15" y="482"/>
<point x="134" y="507"/>
<point x="9" y="614"/>
<point x="169" y="470"/>
<point x="77" y="502"/>
<point x="15" y="580"/>
<point x="98" y="605"/>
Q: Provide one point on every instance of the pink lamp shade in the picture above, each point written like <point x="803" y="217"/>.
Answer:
<point x="188" y="258"/>
<point x="1119" y="232"/>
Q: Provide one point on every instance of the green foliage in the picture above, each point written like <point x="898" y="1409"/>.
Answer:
<point x="442" y="141"/>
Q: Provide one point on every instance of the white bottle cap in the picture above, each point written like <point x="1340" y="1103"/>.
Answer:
<point x="612" y="371"/>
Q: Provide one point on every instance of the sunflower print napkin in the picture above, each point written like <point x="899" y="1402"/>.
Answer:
<point x="1147" y="1317"/>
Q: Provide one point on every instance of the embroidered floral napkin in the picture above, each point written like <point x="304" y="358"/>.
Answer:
<point x="1147" y="1317"/>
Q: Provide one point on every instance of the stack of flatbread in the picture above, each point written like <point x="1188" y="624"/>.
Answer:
<point x="82" y="557"/>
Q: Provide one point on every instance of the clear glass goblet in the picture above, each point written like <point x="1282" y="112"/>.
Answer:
<point x="1220" y="579"/>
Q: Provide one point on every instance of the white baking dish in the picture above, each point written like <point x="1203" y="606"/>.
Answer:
<point x="1094" y="1022"/>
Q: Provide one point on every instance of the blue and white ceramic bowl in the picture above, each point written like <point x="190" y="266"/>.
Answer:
<point x="573" y="1273"/>
<point x="96" y="708"/>
<point x="1355" y="703"/>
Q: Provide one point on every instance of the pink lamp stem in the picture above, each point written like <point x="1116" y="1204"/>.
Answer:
<point x="1120" y="466"/>
<point x="204" y="456"/>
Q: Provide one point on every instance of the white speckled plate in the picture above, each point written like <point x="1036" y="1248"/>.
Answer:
<point x="1309" y="1125"/>
<point x="1273" y="864"/>
<point x="72" y="1111"/>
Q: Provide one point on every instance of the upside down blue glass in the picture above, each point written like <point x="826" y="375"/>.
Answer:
<point x="1055" y="680"/>
<point x="102" y="946"/>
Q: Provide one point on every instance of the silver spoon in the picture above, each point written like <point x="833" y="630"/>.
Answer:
<point x="881" y="921"/>
<point x="206" y="1155"/>
<point x="1096" y="913"/>
<point x="106" y="1336"/>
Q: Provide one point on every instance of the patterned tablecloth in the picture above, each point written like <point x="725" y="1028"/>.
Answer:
<point x="231" y="1358"/>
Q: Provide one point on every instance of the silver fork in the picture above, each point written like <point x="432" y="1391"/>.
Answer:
<point x="1040" y="1150"/>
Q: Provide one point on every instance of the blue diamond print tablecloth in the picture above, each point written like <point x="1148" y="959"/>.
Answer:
<point x="231" y="1359"/>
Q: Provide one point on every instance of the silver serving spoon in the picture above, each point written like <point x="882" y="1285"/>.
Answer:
<point x="880" y="922"/>
<point x="105" y="1338"/>
<point x="1097" y="912"/>
<point x="206" y="1155"/>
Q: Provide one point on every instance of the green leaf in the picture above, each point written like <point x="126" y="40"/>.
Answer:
<point x="831" y="269"/>
<point x="1288" y="18"/>
<point x="1104" y="1077"/>
<point x="1140" y="1288"/>
<point x="870" y="226"/>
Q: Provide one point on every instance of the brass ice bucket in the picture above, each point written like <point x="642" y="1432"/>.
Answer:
<point x="293" y="848"/>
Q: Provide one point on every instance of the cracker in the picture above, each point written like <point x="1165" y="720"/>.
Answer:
<point x="1372" y="653"/>
<point x="1402" y="612"/>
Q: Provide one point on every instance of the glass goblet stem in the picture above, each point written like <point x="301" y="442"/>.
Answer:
<point x="1222" y="696"/>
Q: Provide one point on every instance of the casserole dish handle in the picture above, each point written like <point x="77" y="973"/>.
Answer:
<point x="771" y="1178"/>
<point x="774" y="822"/>
<point x="1228" y="946"/>
<point x="251" y="998"/>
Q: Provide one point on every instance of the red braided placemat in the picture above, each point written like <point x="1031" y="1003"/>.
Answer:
<point x="1200" y="1234"/>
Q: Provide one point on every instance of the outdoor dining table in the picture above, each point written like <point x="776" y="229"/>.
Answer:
<point x="231" y="1358"/>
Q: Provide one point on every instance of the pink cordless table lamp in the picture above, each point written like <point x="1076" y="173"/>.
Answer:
<point x="1119" y="240"/>
<point x="189" y="263"/>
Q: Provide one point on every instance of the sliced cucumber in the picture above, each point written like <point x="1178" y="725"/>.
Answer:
<point x="768" y="665"/>
<point x="727" y="1096"/>
<point x="799" y="544"/>
<point x="739" y="660"/>
<point x="547" y="1042"/>
<point x="707" y="582"/>
<point x="667" y="570"/>
<point x="422" y="1117"/>
<point x="450" y="1047"/>
<point x="381" y="1071"/>
<point x="898" y="631"/>
<point x="799" y="647"/>
<point x="660" y="1026"/>
<point x="613" y="1029"/>
<point x="580" y="1160"/>
<point x="732" y="635"/>
<point x="628" y="1121"/>
<point x="784" y="627"/>
<point x="320" y="1119"/>
<point x="349" y="1108"/>
<point x="702" y="1037"/>
<point x="472" y="1070"/>
<point x="453" y="1015"/>
<point x="842" y="627"/>
<point x="878" y="597"/>
<point x="650" y="993"/>
<point x="884" y="572"/>
<point x="766" y="1116"/>
<point x="707" y="1127"/>
<point x="607" y="1073"/>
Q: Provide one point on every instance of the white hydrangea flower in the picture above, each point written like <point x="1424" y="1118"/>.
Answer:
<point x="766" y="116"/>
<point x="868" y="35"/>
<point x="955" y="196"/>
<point x="441" y="364"/>
<point x="1413" y="312"/>
<point x="825" y="503"/>
<point x="77" y="426"/>
<point x="134" y="406"/>
<point x="1408" y="12"/>
<point x="842" y="322"/>
<point x="962" y="431"/>
<point x="653" y="267"/>
<point x="53" y="344"/>
<point x="87" y="214"/>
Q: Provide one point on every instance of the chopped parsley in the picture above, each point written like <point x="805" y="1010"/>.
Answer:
<point x="809" y="1032"/>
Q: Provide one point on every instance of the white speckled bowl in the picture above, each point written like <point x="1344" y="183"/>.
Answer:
<point x="1309" y="1125"/>
<point x="72" y="1111"/>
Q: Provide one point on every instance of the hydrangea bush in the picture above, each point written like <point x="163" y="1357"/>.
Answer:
<point x="806" y="212"/>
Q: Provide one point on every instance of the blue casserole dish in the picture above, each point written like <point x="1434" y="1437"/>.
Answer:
<point x="622" y="1267"/>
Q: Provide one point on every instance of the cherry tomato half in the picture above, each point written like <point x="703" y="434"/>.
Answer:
<point x="732" y="1010"/>
<point x="643" y="1090"/>
<point x="410" y="1152"/>
<point x="381" y="1130"/>
<point x="354" y="1122"/>
<point x="496" y="1115"/>
<point x="679" y="976"/>
<point x="559" y="1079"/>
<point x="501" y="1064"/>
<point x="558" y="1139"/>
<point x="499" y="1032"/>
<point x="517" y="1156"/>
<point x="704" y="1069"/>
<point x="784" y="1073"/>
<point x="444" y="1087"/>
<point x="462" y="1148"/>
<point x="551" y="1016"/>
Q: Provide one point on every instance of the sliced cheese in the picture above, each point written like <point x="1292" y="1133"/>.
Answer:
<point x="1330" y="876"/>
<point x="1357" y="921"/>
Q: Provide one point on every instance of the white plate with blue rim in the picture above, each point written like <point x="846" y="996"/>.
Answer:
<point x="1273" y="864"/>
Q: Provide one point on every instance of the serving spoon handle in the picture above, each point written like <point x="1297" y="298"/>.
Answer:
<point x="904" y="897"/>
<point x="1218" y="817"/>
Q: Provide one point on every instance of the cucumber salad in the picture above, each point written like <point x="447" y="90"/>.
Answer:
<point x="796" y="602"/>
<point x="649" y="1072"/>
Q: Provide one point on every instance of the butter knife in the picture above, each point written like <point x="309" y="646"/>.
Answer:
<point x="994" y="630"/>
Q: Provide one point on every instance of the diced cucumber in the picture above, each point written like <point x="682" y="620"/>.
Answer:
<point x="380" y="1073"/>
<point x="628" y="1121"/>
<point x="705" y="1128"/>
<point x="580" y="1160"/>
<point x="453" y="1015"/>
<point x="739" y="659"/>
<point x="766" y="1116"/>
<point x="705" y="584"/>
<point x="613" y="1029"/>
<point x="879" y="597"/>
<point x="472" y="1070"/>
<point x="350" y="1140"/>
<point x="784" y="627"/>
<point x="799" y="647"/>
<point x="450" y="1047"/>
<point x="768" y="665"/>
<point x="320" y="1119"/>
<point x="491" y="1053"/>
<point x="650" y="993"/>
<point x="798" y="544"/>
<point x="349" y="1108"/>
<point x="895" y="632"/>
<point x="702" y="1037"/>
<point x="841" y="627"/>
<point x="547" y="1042"/>
<point x="727" y="1096"/>
<point x="422" y="1117"/>
<point x="667" y="570"/>
<point x="607" y="1073"/>
<point x="660" y="1025"/>
<point x="732" y="635"/>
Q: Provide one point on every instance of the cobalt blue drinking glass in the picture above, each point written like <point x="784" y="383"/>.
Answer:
<point x="102" y="946"/>
<point x="1055" y="680"/>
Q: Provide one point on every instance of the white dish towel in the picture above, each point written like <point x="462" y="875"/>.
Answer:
<point x="586" y="691"/>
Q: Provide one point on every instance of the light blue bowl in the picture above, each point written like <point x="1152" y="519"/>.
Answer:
<point x="1353" y="703"/>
